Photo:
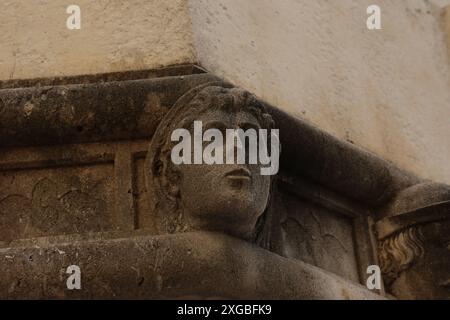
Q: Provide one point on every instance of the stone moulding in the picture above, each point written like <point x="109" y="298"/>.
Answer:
<point x="168" y="267"/>
<point x="72" y="162"/>
<point x="175" y="70"/>
<point x="74" y="113"/>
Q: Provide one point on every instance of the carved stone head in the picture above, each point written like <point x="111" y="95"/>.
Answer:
<point x="209" y="197"/>
<point x="414" y="249"/>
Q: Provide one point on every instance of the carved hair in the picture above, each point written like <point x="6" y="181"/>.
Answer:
<point x="399" y="252"/>
<point x="161" y="173"/>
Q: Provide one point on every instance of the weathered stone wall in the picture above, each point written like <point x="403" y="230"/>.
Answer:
<point x="73" y="171"/>
<point x="114" y="36"/>
<point x="386" y="90"/>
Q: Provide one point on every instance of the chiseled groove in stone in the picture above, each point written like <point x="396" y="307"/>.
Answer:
<point x="318" y="194"/>
<point x="365" y="248"/>
<point x="123" y="166"/>
<point x="200" y="264"/>
<point x="65" y="155"/>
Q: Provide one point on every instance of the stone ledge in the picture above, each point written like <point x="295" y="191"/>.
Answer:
<point x="170" y="71"/>
<point x="92" y="112"/>
<point x="169" y="266"/>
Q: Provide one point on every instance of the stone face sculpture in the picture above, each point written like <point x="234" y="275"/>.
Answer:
<point x="414" y="249"/>
<point x="229" y="198"/>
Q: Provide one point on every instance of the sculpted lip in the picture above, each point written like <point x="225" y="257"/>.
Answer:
<point x="239" y="174"/>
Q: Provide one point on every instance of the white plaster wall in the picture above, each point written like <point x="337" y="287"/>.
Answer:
<point x="115" y="35"/>
<point x="387" y="90"/>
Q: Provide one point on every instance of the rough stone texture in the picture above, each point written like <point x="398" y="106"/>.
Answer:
<point x="176" y="70"/>
<point x="191" y="264"/>
<point x="50" y="201"/>
<point x="317" y="235"/>
<point x="41" y="168"/>
<point x="91" y="189"/>
<point x="74" y="148"/>
<point x="114" y="36"/>
<point x="80" y="112"/>
<point x="387" y="90"/>
<point x="336" y="163"/>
